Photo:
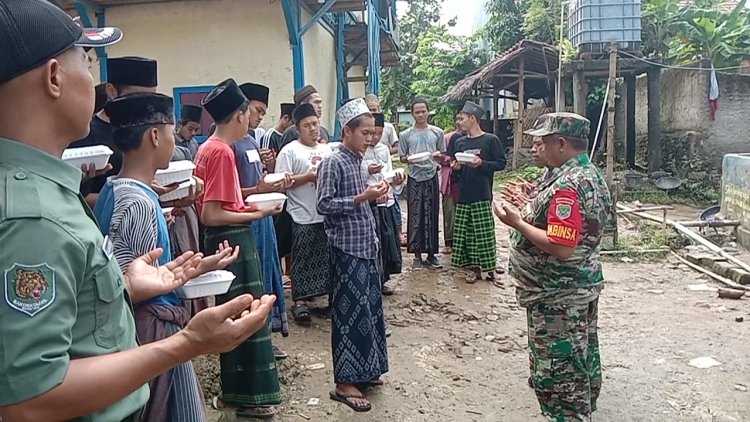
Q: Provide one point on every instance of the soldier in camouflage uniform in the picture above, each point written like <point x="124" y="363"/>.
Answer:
<point x="554" y="261"/>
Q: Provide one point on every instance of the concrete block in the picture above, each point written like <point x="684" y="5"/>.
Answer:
<point x="738" y="275"/>
<point x="722" y="268"/>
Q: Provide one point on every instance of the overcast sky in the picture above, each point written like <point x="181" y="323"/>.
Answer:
<point x="465" y="11"/>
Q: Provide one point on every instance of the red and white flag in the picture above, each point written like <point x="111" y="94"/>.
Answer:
<point x="713" y="93"/>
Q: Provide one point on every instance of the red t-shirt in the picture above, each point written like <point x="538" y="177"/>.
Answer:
<point x="216" y="166"/>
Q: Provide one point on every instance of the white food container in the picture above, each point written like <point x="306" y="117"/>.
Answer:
<point x="334" y="145"/>
<point x="97" y="154"/>
<point x="390" y="176"/>
<point x="178" y="172"/>
<point x="266" y="201"/>
<point x="182" y="191"/>
<point x="465" y="157"/>
<point x="419" y="157"/>
<point x="274" y="177"/>
<point x="167" y="211"/>
<point x="210" y="284"/>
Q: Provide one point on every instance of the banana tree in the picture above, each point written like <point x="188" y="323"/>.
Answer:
<point x="703" y="32"/>
<point x="659" y="19"/>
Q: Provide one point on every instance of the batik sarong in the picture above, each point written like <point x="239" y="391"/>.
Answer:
<point x="311" y="262"/>
<point x="474" y="243"/>
<point x="270" y="267"/>
<point x="389" y="252"/>
<point x="249" y="376"/>
<point x="175" y="394"/>
<point x="360" y="353"/>
<point x="422" y="216"/>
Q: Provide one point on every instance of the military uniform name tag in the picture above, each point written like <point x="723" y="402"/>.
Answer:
<point x="107" y="247"/>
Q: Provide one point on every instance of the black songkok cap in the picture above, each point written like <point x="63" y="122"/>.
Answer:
<point x="255" y="92"/>
<point x="134" y="71"/>
<point x="191" y="113"/>
<point x="140" y="109"/>
<point x="303" y="93"/>
<point x="379" y="119"/>
<point x="474" y="109"/>
<point x="223" y="100"/>
<point x="287" y="109"/>
<point x="303" y="111"/>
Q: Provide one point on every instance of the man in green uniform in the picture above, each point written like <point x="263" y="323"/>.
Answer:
<point x="69" y="348"/>
<point x="554" y="260"/>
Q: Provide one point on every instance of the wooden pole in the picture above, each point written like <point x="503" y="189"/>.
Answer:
<point x="611" y="136"/>
<point x="630" y="117"/>
<point x="518" y="138"/>
<point x="496" y="108"/>
<point x="580" y="92"/>
<point x="653" y="149"/>
<point x="611" y="115"/>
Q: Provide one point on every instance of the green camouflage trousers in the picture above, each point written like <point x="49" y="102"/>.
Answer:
<point x="566" y="371"/>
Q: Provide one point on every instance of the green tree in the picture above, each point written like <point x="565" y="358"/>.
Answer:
<point x="659" y="26"/>
<point x="541" y="22"/>
<point x="504" y="28"/>
<point x="442" y="60"/>
<point x="704" y="32"/>
<point x="396" y="81"/>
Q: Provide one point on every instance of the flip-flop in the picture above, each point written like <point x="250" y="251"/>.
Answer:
<point x="344" y="398"/>
<point x="472" y="279"/>
<point x="387" y="290"/>
<point x="500" y="270"/>
<point x="259" y="412"/>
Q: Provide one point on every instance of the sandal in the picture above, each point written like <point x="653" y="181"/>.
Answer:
<point x="344" y="398"/>
<point x="279" y="354"/>
<point x="301" y="313"/>
<point x="387" y="290"/>
<point x="500" y="270"/>
<point x="257" y="412"/>
<point x="494" y="280"/>
<point x="286" y="282"/>
<point x="447" y="250"/>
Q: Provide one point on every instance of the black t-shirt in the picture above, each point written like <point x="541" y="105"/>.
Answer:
<point x="292" y="134"/>
<point x="100" y="134"/>
<point x="475" y="184"/>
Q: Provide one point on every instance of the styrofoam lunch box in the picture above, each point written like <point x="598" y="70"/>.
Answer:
<point x="209" y="284"/>
<point x="266" y="201"/>
<point x="465" y="157"/>
<point x="182" y="191"/>
<point x="97" y="154"/>
<point x="178" y="172"/>
<point x="419" y="157"/>
<point x="167" y="210"/>
<point x="274" y="177"/>
<point x="391" y="175"/>
<point x="334" y="145"/>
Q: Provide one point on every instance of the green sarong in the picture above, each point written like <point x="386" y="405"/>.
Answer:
<point x="474" y="237"/>
<point x="249" y="376"/>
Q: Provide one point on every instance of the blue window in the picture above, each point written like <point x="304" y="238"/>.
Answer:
<point x="193" y="95"/>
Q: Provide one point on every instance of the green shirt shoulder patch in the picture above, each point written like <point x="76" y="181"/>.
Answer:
<point x="29" y="288"/>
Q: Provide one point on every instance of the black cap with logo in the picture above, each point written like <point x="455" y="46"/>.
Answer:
<point x="34" y="31"/>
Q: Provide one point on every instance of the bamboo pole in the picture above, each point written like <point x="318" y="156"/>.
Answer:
<point x="711" y="273"/>
<point x="693" y="235"/>
<point x="611" y="114"/>
<point x="518" y="138"/>
<point x="715" y="223"/>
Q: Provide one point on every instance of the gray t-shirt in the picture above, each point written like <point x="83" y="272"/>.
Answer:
<point x="413" y="141"/>
<point x="389" y="135"/>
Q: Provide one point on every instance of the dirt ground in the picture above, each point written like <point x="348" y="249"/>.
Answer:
<point x="458" y="352"/>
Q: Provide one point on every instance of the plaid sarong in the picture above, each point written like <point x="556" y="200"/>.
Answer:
<point x="249" y="376"/>
<point x="474" y="236"/>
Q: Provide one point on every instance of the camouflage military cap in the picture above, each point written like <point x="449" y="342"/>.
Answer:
<point x="566" y="124"/>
